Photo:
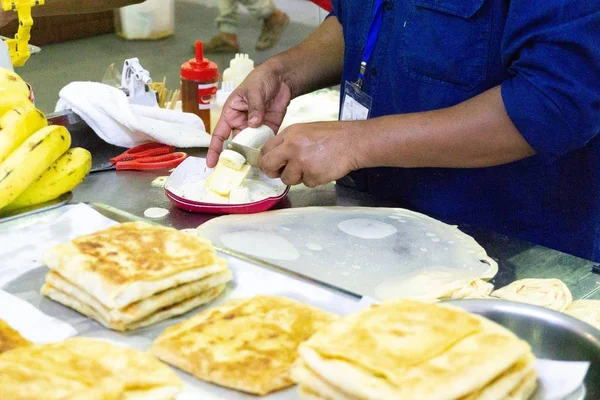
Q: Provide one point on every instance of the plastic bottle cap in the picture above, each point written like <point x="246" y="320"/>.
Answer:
<point x="223" y="94"/>
<point x="200" y="68"/>
<point x="241" y="61"/>
<point x="239" y="68"/>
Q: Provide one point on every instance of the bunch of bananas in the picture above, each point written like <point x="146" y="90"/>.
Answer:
<point x="36" y="164"/>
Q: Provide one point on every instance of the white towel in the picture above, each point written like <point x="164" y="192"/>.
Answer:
<point x="107" y="111"/>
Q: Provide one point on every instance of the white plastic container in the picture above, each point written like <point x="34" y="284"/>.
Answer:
<point x="220" y="99"/>
<point x="152" y="19"/>
<point x="5" y="61"/>
<point x="239" y="68"/>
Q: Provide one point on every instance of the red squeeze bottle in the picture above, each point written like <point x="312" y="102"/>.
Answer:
<point x="199" y="77"/>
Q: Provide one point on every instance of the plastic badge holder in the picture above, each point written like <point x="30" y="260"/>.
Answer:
<point x="193" y="171"/>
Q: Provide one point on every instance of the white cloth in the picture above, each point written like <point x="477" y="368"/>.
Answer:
<point x="107" y="111"/>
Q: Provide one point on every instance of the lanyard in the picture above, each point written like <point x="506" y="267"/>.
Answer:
<point x="372" y="35"/>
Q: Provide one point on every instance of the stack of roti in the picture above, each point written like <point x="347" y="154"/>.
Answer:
<point x="82" y="368"/>
<point x="408" y="349"/>
<point x="134" y="274"/>
<point x="10" y="338"/>
<point x="586" y="310"/>
<point x="549" y="293"/>
<point x="244" y="344"/>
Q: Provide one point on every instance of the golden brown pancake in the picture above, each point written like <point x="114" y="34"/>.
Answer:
<point x="83" y="368"/>
<point x="129" y="262"/>
<point x="408" y="349"/>
<point x="244" y="344"/>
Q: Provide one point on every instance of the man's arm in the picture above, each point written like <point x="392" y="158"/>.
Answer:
<point x="475" y="133"/>
<point x="315" y="63"/>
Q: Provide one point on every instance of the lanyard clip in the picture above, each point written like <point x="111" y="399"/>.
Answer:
<point x="361" y="74"/>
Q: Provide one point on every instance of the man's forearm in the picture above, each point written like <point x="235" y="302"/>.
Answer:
<point x="315" y="63"/>
<point x="475" y="133"/>
<point x="60" y="7"/>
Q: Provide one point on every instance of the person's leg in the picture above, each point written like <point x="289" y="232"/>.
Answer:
<point x="274" y="21"/>
<point x="260" y="9"/>
<point x="227" y="24"/>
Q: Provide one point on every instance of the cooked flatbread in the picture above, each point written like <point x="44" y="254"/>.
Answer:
<point x="586" y="310"/>
<point x="549" y="293"/>
<point x="244" y="344"/>
<point x="526" y="388"/>
<point x="10" y="338"/>
<point x="311" y="385"/>
<point x="307" y="393"/>
<point x="478" y="289"/>
<point x="508" y="382"/>
<point x="129" y="262"/>
<point x="410" y="349"/>
<point x="138" y="311"/>
<point x="83" y="368"/>
<point x="159" y="315"/>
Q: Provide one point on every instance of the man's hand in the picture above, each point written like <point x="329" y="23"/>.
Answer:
<point x="314" y="154"/>
<point x="261" y="99"/>
<point x="265" y="94"/>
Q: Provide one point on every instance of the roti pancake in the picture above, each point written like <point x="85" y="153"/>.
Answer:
<point x="312" y="385"/>
<point x="159" y="315"/>
<point x="126" y="263"/>
<point x="506" y="383"/>
<point x="140" y="310"/>
<point x="307" y="393"/>
<point x="549" y="293"/>
<point x="10" y="338"/>
<point x="411" y="350"/>
<point x="244" y="344"/>
<point x="586" y="310"/>
<point x="426" y="331"/>
<point x="83" y="368"/>
<point x="478" y="289"/>
<point x="526" y="388"/>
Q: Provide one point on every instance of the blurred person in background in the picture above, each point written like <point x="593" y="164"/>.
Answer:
<point x="226" y="41"/>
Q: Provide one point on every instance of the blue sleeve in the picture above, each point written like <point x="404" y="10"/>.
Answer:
<point x="337" y="10"/>
<point x="552" y="51"/>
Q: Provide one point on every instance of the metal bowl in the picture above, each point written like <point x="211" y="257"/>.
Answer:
<point x="552" y="335"/>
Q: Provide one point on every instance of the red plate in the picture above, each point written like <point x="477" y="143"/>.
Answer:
<point x="216" y="208"/>
<point x="193" y="170"/>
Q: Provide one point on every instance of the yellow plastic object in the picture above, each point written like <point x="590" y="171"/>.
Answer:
<point x="19" y="46"/>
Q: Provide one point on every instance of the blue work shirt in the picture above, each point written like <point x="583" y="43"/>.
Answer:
<point x="432" y="54"/>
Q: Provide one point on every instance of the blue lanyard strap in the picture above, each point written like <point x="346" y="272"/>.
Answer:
<point x="372" y="35"/>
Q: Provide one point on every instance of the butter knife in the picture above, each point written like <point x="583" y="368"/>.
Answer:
<point x="251" y="154"/>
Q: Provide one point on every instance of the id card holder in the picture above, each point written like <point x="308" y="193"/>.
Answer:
<point x="356" y="105"/>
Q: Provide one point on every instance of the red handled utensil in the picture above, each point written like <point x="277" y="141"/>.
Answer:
<point x="148" y="156"/>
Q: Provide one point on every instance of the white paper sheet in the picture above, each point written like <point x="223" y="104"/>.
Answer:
<point x="30" y="322"/>
<point x="21" y="246"/>
<point x="558" y="379"/>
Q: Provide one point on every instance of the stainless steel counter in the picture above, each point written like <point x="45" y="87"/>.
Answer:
<point x="131" y="191"/>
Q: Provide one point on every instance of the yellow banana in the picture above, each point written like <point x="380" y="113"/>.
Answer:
<point x="12" y="84"/>
<point x="16" y="126"/>
<point x="9" y="101"/>
<point x="30" y="160"/>
<point x="61" y="177"/>
<point x="14" y="92"/>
